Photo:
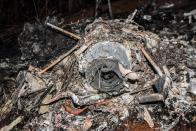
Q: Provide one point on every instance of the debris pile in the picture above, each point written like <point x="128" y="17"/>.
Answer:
<point x="115" y="72"/>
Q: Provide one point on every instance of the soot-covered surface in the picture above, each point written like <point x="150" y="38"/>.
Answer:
<point x="40" y="44"/>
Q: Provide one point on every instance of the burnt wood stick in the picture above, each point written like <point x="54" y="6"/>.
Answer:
<point x="59" y="59"/>
<point x="157" y="69"/>
<point x="67" y="33"/>
<point x="12" y="124"/>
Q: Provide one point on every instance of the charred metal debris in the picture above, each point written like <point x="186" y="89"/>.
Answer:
<point x="114" y="71"/>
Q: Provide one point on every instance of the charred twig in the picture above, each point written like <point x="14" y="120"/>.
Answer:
<point x="98" y="2"/>
<point x="166" y="71"/>
<point x="157" y="69"/>
<point x="133" y="14"/>
<point x="41" y="97"/>
<point x="59" y="59"/>
<point x="72" y="35"/>
<point x="110" y="9"/>
<point x="96" y="7"/>
<point x="6" y="108"/>
<point x="37" y="16"/>
<point x="13" y="124"/>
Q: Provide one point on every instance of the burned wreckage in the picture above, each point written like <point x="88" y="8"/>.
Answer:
<point x="110" y="76"/>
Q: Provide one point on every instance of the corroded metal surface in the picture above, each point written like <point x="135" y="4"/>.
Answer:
<point x="102" y="69"/>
